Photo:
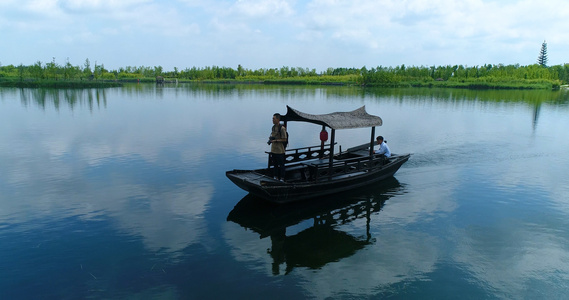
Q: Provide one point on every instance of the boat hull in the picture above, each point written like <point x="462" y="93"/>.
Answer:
<point x="278" y="192"/>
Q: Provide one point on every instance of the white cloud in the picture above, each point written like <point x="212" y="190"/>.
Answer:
<point x="100" y="6"/>
<point x="264" y="34"/>
<point x="42" y="7"/>
<point x="262" y="8"/>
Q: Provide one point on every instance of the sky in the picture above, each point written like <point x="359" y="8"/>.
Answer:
<point x="314" y="34"/>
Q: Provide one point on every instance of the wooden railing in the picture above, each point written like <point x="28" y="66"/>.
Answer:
<point x="320" y="169"/>
<point x="305" y="153"/>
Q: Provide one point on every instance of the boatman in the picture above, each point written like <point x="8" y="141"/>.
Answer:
<point x="277" y="141"/>
<point x="383" y="148"/>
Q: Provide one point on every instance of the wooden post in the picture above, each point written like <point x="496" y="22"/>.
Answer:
<point x="371" y="143"/>
<point x="331" y="152"/>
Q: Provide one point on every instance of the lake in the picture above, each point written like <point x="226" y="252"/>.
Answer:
<point x="121" y="193"/>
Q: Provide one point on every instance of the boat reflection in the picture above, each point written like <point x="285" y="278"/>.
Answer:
<point x="322" y="242"/>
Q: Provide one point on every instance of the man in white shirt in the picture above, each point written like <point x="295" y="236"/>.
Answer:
<point x="383" y="148"/>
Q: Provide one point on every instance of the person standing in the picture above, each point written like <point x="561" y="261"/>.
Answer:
<point x="277" y="140"/>
<point x="383" y="148"/>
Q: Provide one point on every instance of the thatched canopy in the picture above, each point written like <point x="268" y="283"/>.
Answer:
<point x="358" y="118"/>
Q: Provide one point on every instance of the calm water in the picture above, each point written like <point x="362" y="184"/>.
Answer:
<point x="121" y="193"/>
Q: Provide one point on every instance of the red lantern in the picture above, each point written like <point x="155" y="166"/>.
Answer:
<point x="323" y="135"/>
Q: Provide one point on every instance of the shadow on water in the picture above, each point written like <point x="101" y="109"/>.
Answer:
<point x="322" y="242"/>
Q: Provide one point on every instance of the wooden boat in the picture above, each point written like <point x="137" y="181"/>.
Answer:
<point x="316" y="170"/>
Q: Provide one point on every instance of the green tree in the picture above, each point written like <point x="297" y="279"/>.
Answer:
<point x="87" y="69"/>
<point x="240" y="71"/>
<point x="51" y="69"/>
<point x="37" y="70"/>
<point x="542" y="58"/>
<point x="21" y="69"/>
<point x="158" y="70"/>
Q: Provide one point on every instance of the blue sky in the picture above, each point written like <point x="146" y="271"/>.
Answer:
<point x="315" y="34"/>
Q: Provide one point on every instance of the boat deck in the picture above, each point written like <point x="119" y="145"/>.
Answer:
<point x="254" y="177"/>
<point x="310" y="171"/>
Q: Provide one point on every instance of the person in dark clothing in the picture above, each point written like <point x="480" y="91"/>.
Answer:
<point x="277" y="139"/>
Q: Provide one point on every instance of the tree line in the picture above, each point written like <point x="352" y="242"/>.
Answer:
<point x="380" y="76"/>
<point x="488" y="73"/>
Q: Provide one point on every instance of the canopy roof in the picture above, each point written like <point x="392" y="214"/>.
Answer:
<point x="358" y="118"/>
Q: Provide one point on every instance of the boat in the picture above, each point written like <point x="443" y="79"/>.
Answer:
<point x="317" y="171"/>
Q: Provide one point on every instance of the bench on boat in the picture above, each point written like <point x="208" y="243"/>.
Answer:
<point x="322" y="168"/>
<point x="358" y="148"/>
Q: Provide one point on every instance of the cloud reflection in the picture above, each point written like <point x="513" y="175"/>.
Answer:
<point x="395" y="257"/>
<point x="512" y="258"/>
<point x="167" y="221"/>
<point x="131" y="161"/>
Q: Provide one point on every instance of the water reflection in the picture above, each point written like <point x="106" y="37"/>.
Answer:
<point x="131" y="198"/>
<point x="425" y="95"/>
<point x="536" y="109"/>
<point x="322" y="242"/>
<point x="71" y="97"/>
<point x="98" y="97"/>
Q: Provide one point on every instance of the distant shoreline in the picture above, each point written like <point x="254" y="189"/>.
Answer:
<point x="476" y="85"/>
